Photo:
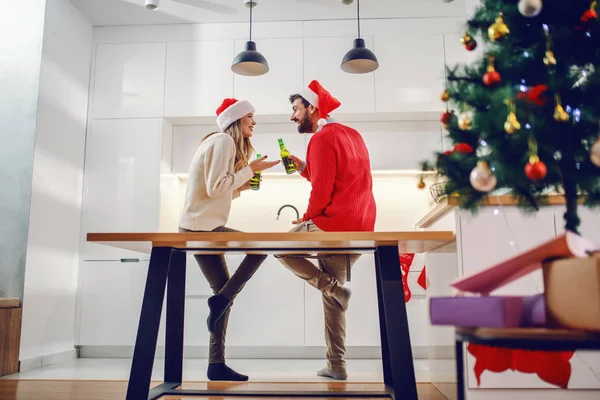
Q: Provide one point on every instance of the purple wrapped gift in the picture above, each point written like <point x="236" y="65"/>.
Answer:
<point x="489" y="311"/>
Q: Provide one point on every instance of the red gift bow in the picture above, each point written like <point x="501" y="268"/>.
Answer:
<point x="553" y="367"/>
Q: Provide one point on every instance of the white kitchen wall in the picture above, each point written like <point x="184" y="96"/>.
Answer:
<point x="53" y="248"/>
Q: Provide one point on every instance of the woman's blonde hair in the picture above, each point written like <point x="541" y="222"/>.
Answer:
<point x="243" y="146"/>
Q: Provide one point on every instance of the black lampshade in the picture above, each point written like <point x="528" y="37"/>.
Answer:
<point x="359" y="60"/>
<point x="250" y="62"/>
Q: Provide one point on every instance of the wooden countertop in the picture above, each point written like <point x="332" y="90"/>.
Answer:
<point x="409" y="242"/>
<point x="449" y="204"/>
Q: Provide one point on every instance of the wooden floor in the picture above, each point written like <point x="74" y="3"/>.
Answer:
<point x="113" y="390"/>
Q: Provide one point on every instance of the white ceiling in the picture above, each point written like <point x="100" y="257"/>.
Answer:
<point x="133" y="12"/>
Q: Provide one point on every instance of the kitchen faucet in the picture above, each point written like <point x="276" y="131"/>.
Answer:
<point x="288" y="205"/>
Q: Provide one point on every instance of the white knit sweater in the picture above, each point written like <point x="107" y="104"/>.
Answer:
<point x="212" y="184"/>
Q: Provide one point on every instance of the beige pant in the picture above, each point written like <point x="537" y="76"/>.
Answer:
<point x="328" y="277"/>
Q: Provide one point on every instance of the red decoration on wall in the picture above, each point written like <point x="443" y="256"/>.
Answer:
<point x="553" y="367"/>
<point x="422" y="279"/>
<point x="406" y="260"/>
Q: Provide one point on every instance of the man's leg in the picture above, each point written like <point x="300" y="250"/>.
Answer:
<point x="335" y="316"/>
<point x="305" y="269"/>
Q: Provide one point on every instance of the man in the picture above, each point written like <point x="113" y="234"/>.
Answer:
<point x="341" y="200"/>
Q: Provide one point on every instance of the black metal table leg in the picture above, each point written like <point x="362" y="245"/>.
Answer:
<point x="396" y="340"/>
<point x="460" y="371"/>
<point x="175" y="318"/>
<point x="147" y="334"/>
<point x="385" y="358"/>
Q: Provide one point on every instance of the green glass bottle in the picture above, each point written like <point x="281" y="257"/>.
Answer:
<point x="255" y="180"/>
<point x="288" y="164"/>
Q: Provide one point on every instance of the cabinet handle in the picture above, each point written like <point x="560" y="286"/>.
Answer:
<point x="130" y="260"/>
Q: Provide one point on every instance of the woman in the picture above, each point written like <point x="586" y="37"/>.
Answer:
<point x="218" y="173"/>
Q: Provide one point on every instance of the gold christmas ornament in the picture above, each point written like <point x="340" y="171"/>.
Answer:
<point x="445" y="96"/>
<point x="466" y="39"/>
<point x="421" y="184"/>
<point x="512" y="124"/>
<point x="482" y="179"/>
<point x="595" y="153"/>
<point x="549" y="59"/>
<point x="560" y="114"/>
<point x="498" y="29"/>
<point x="464" y="123"/>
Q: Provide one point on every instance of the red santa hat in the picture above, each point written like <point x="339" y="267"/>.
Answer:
<point x="320" y="98"/>
<point x="231" y="110"/>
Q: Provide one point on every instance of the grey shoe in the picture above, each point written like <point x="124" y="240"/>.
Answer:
<point x="328" y="373"/>
<point x="343" y="297"/>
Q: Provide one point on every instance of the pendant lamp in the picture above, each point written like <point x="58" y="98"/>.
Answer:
<point x="250" y="62"/>
<point x="359" y="60"/>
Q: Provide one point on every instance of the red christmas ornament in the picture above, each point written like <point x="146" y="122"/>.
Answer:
<point x="491" y="78"/>
<point x="535" y="169"/>
<point x="463" y="148"/>
<point x="448" y="152"/>
<point x="590" y="14"/>
<point x="535" y="95"/>
<point x="446" y="118"/>
<point x="471" y="45"/>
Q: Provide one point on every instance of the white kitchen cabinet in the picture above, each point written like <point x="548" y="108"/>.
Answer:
<point x="401" y="144"/>
<point x="362" y="317"/>
<point x="411" y="73"/>
<point x="111" y="302"/>
<point x="129" y="80"/>
<point x="269" y="311"/>
<point x="270" y="93"/>
<point x="122" y="180"/>
<point x="322" y="59"/>
<point x="198" y="77"/>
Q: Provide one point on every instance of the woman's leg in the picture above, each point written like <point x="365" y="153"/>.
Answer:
<point x="245" y="271"/>
<point x="216" y="273"/>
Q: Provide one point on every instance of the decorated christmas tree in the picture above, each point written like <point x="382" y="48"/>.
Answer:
<point x="525" y="116"/>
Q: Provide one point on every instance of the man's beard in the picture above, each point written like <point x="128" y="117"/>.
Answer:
<point x="305" y="125"/>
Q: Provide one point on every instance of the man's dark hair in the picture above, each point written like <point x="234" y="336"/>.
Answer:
<point x="297" y="96"/>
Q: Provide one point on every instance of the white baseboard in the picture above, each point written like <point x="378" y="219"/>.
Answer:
<point x="30" y="364"/>
<point x="260" y="352"/>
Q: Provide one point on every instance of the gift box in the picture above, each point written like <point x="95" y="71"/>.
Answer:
<point x="573" y="292"/>
<point x="488" y="311"/>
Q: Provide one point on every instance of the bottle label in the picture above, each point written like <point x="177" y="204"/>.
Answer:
<point x="255" y="181"/>
<point x="288" y="165"/>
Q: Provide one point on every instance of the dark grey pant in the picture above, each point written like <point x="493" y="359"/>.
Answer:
<point x="214" y="268"/>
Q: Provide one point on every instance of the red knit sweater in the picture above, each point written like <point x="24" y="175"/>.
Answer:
<point x="339" y="169"/>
